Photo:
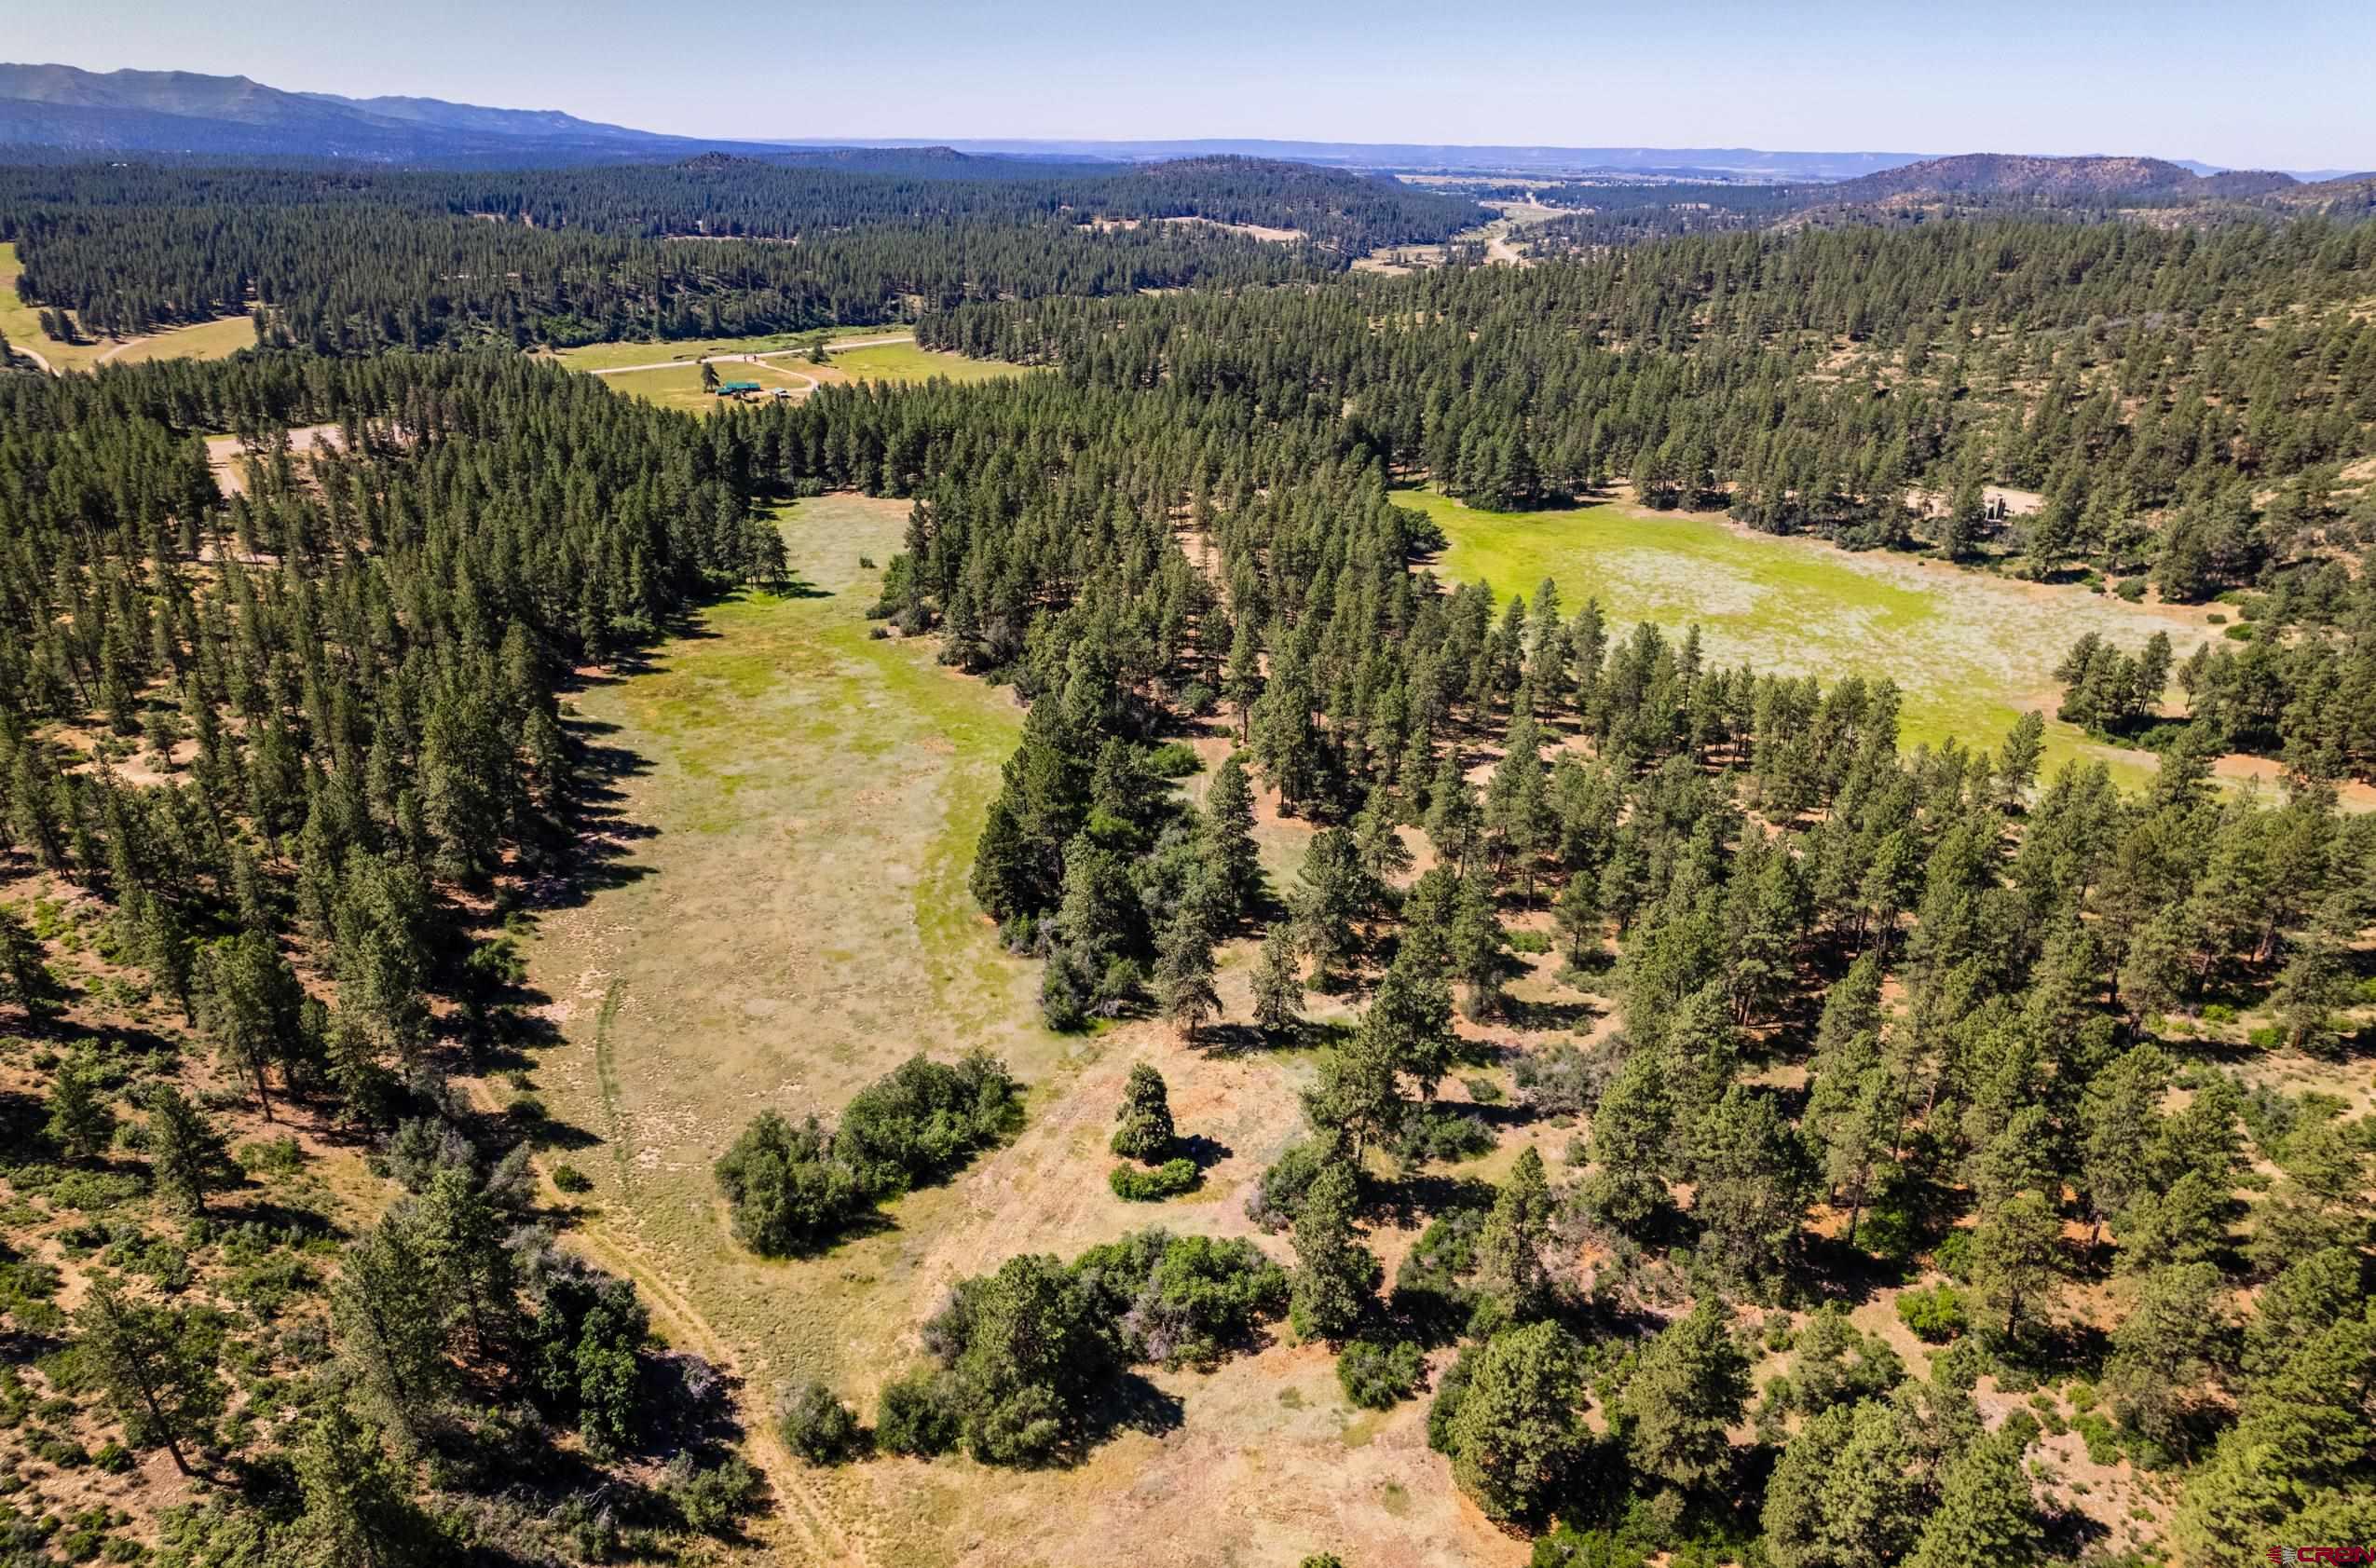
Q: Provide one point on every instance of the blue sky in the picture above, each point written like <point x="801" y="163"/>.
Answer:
<point x="2285" y="83"/>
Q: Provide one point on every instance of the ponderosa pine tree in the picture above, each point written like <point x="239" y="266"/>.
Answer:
<point x="1335" y="1277"/>
<point x="1750" y="1194"/>
<point x="186" y="1152"/>
<point x="24" y="972"/>
<point x="249" y="1000"/>
<point x="1184" y="973"/>
<point x="156" y="1366"/>
<point x="1986" y="1517"/>
<point x="2016" y="1256"/>
<point x="1632" y="1133"/>
<point x="1228" y="821"/>
<point x="1278" y="984"/>
<point x="1520" y="1428"/>
<point x="358" y="1505"/>
<point x="1144" y="1131"/>
<point x="2167" y="1354"/>
<point x="1511" y="1266"/>
<point x="1690" y="1384"/>
<point x="82" y="1122"/>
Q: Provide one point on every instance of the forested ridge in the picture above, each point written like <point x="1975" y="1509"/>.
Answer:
<point x="1918" y="1012"/>
<point x="1808" y="383"/>
<point x="286" y="770"/>
<point x="340" y="263"/>
<point x="343" y="679"/>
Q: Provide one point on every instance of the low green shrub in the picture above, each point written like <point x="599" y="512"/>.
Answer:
<point x="1133" y="1184"/>
<point x="796" y="1188"/>
<point x="1280" y="1192"/>
<point x="1936" y="1315"/>
<point x="816" y="1424"/>
<point x="711" y="1499"/>
<point x="1379" y="1376"/>
<point x="915" y="1414"/>
<point x="1436" y="1132"/>
<point x="1174" y="760"/>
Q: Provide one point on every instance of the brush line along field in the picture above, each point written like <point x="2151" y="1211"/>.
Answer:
<point x="1972" y="652"/>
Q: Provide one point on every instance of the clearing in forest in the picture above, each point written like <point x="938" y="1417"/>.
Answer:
<point x="1971" y="651"/>
<point x="20" y="325"/>
<point x="776" y="916"/>
<point x="680" y="386"/>
<point x="905" y="361"/>
<point x="614" y="356"/>
<point x="669" y="373"/>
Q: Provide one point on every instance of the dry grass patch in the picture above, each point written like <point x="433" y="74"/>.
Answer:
<point x="786" y="917"/>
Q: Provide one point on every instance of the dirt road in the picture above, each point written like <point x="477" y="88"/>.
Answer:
<point x="754" y="358"/>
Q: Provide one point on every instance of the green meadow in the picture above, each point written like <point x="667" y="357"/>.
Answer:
<point x="1971" y="651"/>
<point x="905" y="361"/>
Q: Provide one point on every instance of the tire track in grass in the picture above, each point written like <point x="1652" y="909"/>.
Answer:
<point x="796" y="1491"/>
<point x="607" y="1078"/>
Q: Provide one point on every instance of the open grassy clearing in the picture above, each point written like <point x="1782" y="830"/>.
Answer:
<point x="20" y="325"/>
<point x="609" y="356"/>
<point x="905" y="361"/>
<point x="785" y="917"/>
<point x="207" y="340"/>
<point x="1971" y="651"/>
<point x="680" y="386"/>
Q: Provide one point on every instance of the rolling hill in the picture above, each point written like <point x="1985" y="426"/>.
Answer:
<point x="2053" y="179"/>
<point x="183" y="112"/>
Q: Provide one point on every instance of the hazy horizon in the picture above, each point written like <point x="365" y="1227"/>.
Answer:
<point x="2281" y="86"/>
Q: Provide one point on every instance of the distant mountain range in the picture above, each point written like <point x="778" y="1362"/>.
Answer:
<point x="2083" y="181"/>
<point x="1427" y="157"/>
<point x="184" y="115"/>
<point x="2055" y="179"/>
<point x="180" y="112"/>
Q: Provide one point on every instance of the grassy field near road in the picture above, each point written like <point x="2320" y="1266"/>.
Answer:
<point x="609" y="356"/>
<point x="1971" y="651"/>
<point x="207" y="340"/>
<point x="680" y="386"/>
<point x="905" y="361"/>
<point x="677" y="381"/>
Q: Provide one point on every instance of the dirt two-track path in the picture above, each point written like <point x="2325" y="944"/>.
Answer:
<point x="815" y="1535"/>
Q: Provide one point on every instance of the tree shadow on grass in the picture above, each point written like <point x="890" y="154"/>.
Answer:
<point x="1412" y="1199"/>
<point x="547" y="1133"/>
<point x="1204" y="1152"/>
<point x="1129" y="1403"/>
<point x="2060" y="1350"/>
<point x="1831" y="1270"/>
<point x="1234" y="1040"/>
<point x="1543" y="1017"/>
<point x="792" y="586"/>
